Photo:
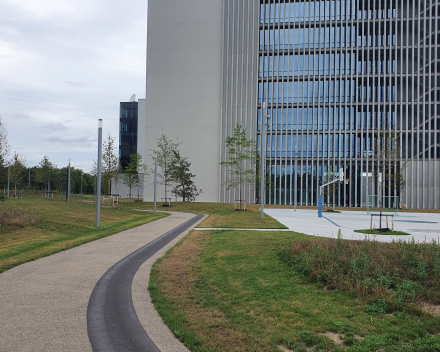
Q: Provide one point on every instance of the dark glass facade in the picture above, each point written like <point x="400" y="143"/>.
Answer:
<point x="128" y="130"/>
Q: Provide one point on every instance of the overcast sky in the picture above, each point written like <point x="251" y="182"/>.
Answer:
<point x="64" y="65"/>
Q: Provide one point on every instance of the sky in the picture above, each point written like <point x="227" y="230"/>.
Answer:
<point x="63" y="65"/>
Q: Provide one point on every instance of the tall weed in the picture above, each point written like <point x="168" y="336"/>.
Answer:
<point x="17" y="217"/>
<point x="397" y="272"/>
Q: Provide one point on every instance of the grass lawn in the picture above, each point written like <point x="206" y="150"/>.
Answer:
<point x="59" y="226"/>
<point x="221" y="215"/>
<point x="230" y="291"/>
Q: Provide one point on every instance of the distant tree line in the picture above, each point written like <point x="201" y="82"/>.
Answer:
<point x="38" y="178"/>
<point x="173" y="171"/>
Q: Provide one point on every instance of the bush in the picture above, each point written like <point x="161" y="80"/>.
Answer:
<point x="17" y="217"/>
<point x="389" y="275"/>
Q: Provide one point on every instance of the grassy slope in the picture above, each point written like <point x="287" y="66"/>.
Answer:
<point x="228" y="291"/>
<point x="61" y="226"/>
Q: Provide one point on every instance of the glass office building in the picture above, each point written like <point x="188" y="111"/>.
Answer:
<point x="333" y="74"/>
<point x="128" y="131"/>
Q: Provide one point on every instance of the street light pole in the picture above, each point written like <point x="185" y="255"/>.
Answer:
<point x="295" y="179"/>
<point x="81" y="186"/>
<point x="98" y="181"/>
<point x="155" y="182"/>
<point x="68" y="182"/>
<point x="264" y="124"/>
<point x="9" y="176"/>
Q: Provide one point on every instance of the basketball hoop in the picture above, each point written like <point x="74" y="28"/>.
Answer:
<point x="346" y="180"/>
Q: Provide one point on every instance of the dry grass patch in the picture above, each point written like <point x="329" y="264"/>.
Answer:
<point x="17" y="217"/>
<point x="175" y="278"/>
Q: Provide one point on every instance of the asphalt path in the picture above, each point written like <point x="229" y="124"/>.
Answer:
<point x="112" y="322"/>
<point x="44" y="303"/>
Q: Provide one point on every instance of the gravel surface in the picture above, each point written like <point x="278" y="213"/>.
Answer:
<point x="44" y="303"/>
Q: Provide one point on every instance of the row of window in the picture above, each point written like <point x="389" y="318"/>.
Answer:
<point x="307" y="11"/>
<point x="299" y="65"/>
<point x="307" y="176"/>
<point x="340" y="145"/>
<point x="306" y="92"/>
<point x="320" y="64"/>
<point x="327" y="145"/>
<point x="320" y="37"/>
<point x="329" y="91"/>
<point x="376" y="67"/>
<point x="307" y="38"/>
<point x="325" y="118"/>
<point x="318" y="11"/>
<point x="377" y="93"/>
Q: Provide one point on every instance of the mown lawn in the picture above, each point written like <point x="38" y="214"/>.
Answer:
<point x="230" y="291"/>
<point x="59" y="226"/>
<point x="221" y="215"/>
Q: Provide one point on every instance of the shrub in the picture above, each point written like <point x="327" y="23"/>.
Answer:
<point x="389" y="275"/>
<point x="377" y="306"/>
<point x="17" y="217"/>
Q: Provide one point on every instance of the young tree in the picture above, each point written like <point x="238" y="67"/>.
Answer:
<point x="241" y="163"/>
<point x="4" y="145"/>
<point x="134" y="171"/>
<point x="4" y="153"/>
<point x="331" y="189"/>
<point x="16" y="170"/>
<point x="166" y="159"/>
<point x="117" y="176"/>
<point x="109" y="162"/>
<point x="388" y="167"/>
<point x="44" y="172"/>
<point x="184" y="185"/>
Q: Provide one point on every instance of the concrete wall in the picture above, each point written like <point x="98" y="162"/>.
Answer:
<point x="184" y="86"/>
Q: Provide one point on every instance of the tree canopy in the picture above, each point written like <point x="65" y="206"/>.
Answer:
<point x="166" y="159"/>
<point x="184" y="186"/>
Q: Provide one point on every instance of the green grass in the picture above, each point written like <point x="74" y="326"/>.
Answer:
<point x="229" y="291"/>
<point x="221" y="215"/>
<point x="60" y="226"/>
<point x="374" y="232"/>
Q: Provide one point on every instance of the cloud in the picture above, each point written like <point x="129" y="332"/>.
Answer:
<point x="72" y="141"/>
<point x="64" y="65"/>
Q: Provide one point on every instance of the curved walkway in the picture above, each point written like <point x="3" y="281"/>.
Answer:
<point x="43" y="304"/>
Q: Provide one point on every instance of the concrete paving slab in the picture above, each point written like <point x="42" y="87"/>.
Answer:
<point x="421" y="226"/>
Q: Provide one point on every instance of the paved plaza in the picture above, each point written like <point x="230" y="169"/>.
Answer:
<point x="421" y="226"/>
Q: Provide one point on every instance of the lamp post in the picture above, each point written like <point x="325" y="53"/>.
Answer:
<point x="295" y="179"/>
<point x="98" y="181"/>
<point x="264" y="123"/>
<point x="9" y="176"/>
<point x="68" y="183"/>
<point x="155" y="182"/>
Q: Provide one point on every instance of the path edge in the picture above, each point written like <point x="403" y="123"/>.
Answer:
<point x="149" y="318"/>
